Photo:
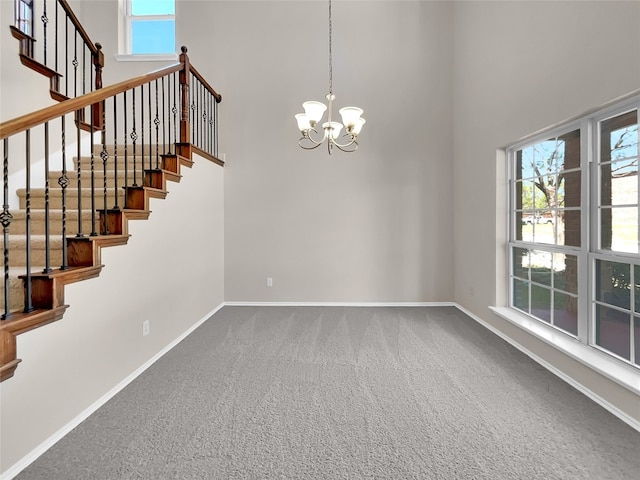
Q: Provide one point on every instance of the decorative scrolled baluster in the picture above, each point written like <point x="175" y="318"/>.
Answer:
<point x="28" y="305"/>
<point x="156" y="122"/>
<point x="63" y="181"/>
<point x="174" y="110"/>
<point x="126" y="150"/>
<point x="79" y="179"/>
<point x="45" y="21"/>
<point x="115" y="151"/>
<point x="47" y="240"/>
<point x="5" y="221"/>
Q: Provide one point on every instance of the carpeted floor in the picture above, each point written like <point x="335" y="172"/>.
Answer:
<point x="333" y="393"/>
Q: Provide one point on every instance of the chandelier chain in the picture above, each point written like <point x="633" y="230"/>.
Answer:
<point x="330" y="54"/>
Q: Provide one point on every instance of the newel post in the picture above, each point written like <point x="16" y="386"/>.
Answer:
<point x="97" y="109"/>
<point x="185" y="75"/>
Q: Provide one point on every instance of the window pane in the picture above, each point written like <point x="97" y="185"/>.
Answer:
<point x="613" y="283"/>
<point x="569" y="190"/>
<point x="521" y="295"/>
<point x="619" y="229"/>
<point x="153" y="36"/>
<point x="612" y="331"/>
<point x="636" y="337"/>
<point x="565" y="273"/>
<point x="619" y="183"/>
<point x="521" y="263"/>
<point x="636" y="276"/>
<point x="565" y="312"/>
<point x="541" y="303"/>
<point x="541" y="267"/>
<point x="569" y="228"/>
<point x="153" y="7"/>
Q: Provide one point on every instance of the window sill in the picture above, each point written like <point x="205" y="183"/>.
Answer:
<point x="162" y="57"/>
<point x="625" y="375"/>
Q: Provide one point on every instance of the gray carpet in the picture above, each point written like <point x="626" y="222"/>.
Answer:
<point x="332" y="393"/>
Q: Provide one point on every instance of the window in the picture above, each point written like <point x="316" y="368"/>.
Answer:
<point x="24" y="16"/>
<point x="574" y="249"/>
<point x="148" y="27"/>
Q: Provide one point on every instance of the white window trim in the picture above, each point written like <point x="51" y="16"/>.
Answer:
<point x="578" y="347"/>
<point x="621" y="373"/>
<point x="124" y="38"/>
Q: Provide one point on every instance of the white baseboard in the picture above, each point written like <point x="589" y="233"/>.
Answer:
<point x="340" y="304"/>
<point x="632" y="422"/>
<point x="28" y="459"/>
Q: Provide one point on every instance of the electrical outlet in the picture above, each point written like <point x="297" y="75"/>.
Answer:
<point x="269" y="282"/>
<point x="145" y="328"/>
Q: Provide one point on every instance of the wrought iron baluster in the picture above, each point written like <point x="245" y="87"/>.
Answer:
<point x="74" y="62"/>
<point x="215" y="129"/>
<point x="174" y="110"/>
<point x="66" y="56"/>
<point x="63" y="181"/>
<point x="55" y="31"/>
<point x="150" y="138"/>
<point x="28" y="304"/>
<point x="211" y="118"/>
<point x="203" y="120"/>
<point x="134" y="137"/>
<point x="156" y="121"/>
<point x="45" y="21"/>
<point x="164" y="123"/>
<point x="126" y="152"/>
<point x="47" y="240"/>
<point x="142" y="137"/>
<point x="79" y="179"/>
<point x="84" y="69"/>
<point x="104" y="155"/>
<point x="93" y="179"/>
<point x="5" y="220"/>
<point x="115" y="150"/>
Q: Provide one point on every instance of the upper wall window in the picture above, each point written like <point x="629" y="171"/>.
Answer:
<point x="574" y="245"/>
<point x="24" y="16"/>
<point x="149" y="27"/>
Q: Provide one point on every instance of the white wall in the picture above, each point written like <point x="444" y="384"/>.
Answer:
<point x="520" y="67"/>
<point x="375" y="225"/>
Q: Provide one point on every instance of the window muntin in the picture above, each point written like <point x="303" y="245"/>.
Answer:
<point x="562" y="224"/>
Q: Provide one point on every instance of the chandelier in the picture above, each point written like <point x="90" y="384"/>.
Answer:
<point x="352" y="120"/>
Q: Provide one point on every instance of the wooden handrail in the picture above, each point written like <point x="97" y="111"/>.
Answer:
<point x="206" y="85"/>
<point x="39" y="117"/>
<point x="78" y="25"/>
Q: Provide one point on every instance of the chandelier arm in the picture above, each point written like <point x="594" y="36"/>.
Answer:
<point x="345" y="147"/>
<point x="313" y="146"/>
<point x="309" y="137"/>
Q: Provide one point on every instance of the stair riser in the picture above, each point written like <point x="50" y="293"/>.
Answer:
<point x="120" y="147"/>
<point x="140" y="164"/>
<point x="38" y="202"/>
<point x="17" y="257"/>
<point x="19" y="227"/>
<point x="16" y="295"/>
<point x="98" y="181"/>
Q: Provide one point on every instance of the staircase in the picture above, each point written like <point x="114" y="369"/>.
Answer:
<point x="55" y="234"/>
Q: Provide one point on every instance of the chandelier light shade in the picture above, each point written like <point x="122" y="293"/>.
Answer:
<point x="352" y="120"/>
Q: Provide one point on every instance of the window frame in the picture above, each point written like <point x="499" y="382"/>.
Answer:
<point x="125" y="35"/>
<point x="590" y="231"/>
